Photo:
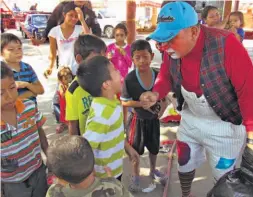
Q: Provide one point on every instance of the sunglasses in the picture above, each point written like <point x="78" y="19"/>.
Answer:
<point x="162" y="46"/>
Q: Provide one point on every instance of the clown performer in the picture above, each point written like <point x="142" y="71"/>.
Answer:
<point x="211" y="74"/>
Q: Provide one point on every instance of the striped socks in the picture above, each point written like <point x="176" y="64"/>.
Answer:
<point x="186" y="182"/>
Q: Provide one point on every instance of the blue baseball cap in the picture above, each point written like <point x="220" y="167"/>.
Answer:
<point x="172" y="18"/>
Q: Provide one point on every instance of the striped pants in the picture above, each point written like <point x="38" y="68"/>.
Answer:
<point x="202" y="133"/>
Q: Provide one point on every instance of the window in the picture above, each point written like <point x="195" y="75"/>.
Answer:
<point x="40" y="19"/>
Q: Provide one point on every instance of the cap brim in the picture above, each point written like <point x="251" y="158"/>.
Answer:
<point x="161" y="35"/>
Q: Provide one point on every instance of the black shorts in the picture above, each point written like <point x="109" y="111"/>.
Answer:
<point x="144" y="133"/>
<point x="34" y="186"/>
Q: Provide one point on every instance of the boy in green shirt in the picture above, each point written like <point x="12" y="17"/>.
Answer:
<point x="78" y="100"/>
<point x="104" y="128"/>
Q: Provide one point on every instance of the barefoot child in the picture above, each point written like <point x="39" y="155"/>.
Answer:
<point x="72" y="161"/>
<point x="145" y="126"/>
<point x="22" y="139"/>
<point x="64" y="78"/>
<point x="104" y="128"/>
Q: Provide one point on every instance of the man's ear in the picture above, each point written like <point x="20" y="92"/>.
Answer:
<point x="79" y="59"/>
<point x="194" y="31"/>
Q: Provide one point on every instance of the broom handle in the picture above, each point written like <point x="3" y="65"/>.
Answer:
<point x="165" y="192"/>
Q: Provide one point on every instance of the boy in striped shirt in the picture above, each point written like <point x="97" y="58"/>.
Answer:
<point x="104" y="128"/>
<point x="23" y="173"/>
<point x="27" y="82"/>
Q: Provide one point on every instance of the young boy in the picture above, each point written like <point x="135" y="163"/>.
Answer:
<point x="104" y="128"/>
<point x="145" y="126"/>
<point x="26" y="79"/>
<point x="22" y="137"/>
<point x="71" y="159"/>
<point x="78" y="100"/>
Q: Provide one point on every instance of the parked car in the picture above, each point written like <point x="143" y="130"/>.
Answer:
<point x="7" y="20"/>
<point x="107" y="21"/>
<point x="35" y="24"/>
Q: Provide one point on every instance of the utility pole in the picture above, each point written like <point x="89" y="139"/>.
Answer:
<point x="130" y="20"/>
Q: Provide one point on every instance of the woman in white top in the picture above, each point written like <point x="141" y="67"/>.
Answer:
<point x="63" y="37"/>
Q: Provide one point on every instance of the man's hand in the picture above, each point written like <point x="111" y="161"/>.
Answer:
<point x="164" y="104"/>
<point x="80" y="14"/>
<point x="21" y="84"/>
<point x="148" y="99"/>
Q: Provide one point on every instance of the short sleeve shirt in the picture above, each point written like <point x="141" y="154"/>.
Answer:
<point x="25" y="74"/>
<point x="65" y="46"/>
<point x="241" y="33"/>
<point x="78" y="102"/>
<point x="105" y="133"/>
<point x="132" y="89"/>
<point x="20" y="145"/>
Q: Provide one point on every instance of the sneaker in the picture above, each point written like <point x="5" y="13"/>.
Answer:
<point x="134" y="185"/>
<point x="159" y="177"/>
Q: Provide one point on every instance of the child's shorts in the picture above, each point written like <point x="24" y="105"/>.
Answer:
<point x="143" y="133"/>
<point x="34" y="186"/>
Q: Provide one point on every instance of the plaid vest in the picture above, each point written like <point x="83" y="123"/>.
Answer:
<point x="215" y="84"/>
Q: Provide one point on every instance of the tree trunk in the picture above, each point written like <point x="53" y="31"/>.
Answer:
<point x="154" y="17"/>
<point x="227" y="8"/>
<point x="130" y="22"/>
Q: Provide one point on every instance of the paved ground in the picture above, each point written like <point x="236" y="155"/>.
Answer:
<point x="38" y="58"/>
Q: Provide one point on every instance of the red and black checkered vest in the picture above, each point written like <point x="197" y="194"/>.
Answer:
<point x="214" y="81"/>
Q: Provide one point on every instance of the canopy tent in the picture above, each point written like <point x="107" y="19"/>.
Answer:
<point x="154" y="3"/>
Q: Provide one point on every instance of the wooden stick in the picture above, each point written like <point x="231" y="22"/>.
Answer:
<point x="170" y="155"/>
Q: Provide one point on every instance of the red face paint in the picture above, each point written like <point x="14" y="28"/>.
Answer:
<point x="162" y="46"/>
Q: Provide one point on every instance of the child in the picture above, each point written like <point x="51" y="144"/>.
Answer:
<point x="27" y="82"/>
<point x="120" y="55"/>
<point x="236" y="22"/>
<point x="104" y="128"/>
<point x="119" y="52"/>
<point x="211" y="16"/>
<point x="145" y="126"/>
<point x="78" y="100"/>
<point x="71" y="159"/>
<point x="62" y="38"/>
<point x="22" y="138"/>
<point x="64" y="77"/>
